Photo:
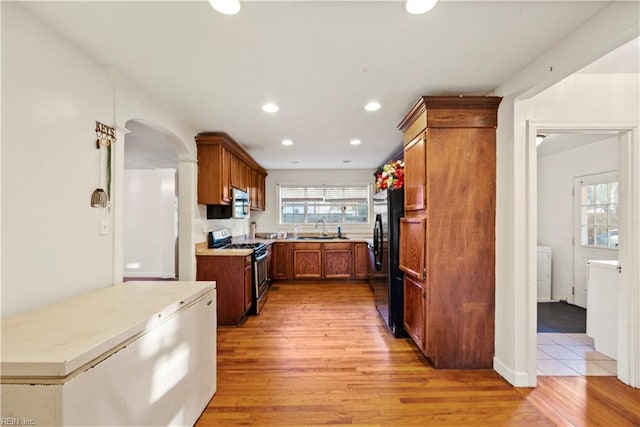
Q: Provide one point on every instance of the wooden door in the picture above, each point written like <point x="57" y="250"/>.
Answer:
<point x="260" y="189"/>
<point x="414" y="310"/>
<point x="248" y="283"/>
<point x="253" y="189"/>
<point x="213" y="177"/>
<point x="412" y="246"/>
<point x="361" y="261"/>
<point x="307" y="260"/>
<point x="225" y="169"/>
<point x="414" y="174"/>
<point x="238" y="173"/>
<point x="338" y="260"/>
<point x="270" y="264"/>
<point x="280" y="261"/>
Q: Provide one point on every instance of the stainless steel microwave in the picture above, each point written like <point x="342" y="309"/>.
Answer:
<point x="239" y="203"/>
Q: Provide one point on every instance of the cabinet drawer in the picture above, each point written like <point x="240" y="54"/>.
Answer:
<point x="307" y="246"/>
<point x="341" y="246"/>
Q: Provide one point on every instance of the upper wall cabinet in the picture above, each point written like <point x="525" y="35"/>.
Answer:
<point x="223" y="164"/>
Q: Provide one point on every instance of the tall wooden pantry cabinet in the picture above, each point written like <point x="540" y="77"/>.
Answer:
<point x="447" y="237"/>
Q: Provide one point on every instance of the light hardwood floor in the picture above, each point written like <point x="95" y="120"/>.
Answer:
<point x="318" y="354"/>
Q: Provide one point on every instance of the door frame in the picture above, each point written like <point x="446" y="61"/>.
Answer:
<point x="628" y="251"/>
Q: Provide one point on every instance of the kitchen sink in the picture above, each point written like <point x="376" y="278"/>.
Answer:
<point x="317" y="238"/>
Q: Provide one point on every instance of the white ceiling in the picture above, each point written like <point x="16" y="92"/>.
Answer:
<point x="562" y="141"/>
<point x="320" y="61"/>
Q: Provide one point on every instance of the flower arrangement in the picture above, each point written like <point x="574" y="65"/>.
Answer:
<point x="392" y="175"/>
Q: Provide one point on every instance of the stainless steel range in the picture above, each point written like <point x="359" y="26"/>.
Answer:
<point x="221" y="239"/>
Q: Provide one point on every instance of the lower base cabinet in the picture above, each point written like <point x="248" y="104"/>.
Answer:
<point x="307" y="260"/>
<point x="281" y="254"/>
<point x="415" y="297"/>
<point x="312" y="260"/>
<point x="338" y="260"/>
<point x="234" y="302"/>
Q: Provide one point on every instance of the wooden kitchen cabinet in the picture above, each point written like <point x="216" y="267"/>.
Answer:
<point x="281" y="256"/>
<point x="213" y="174"/>
<point x="257" y="191"/>
<point x="447" y="237"/>
<point x="338" y="260"/>
<point x="320" y="260"/>
<point x="361" y="261"/>
<point x="233" y="277"/>
<point x="307" y="260"/>
<point x="261" y="198"/>
<point x="412" y="246"/>
<point x="239" y="172"/>
<point x="415" y="309"/>
<point x="270" y="264"/>
<point x="248" y="283"/>
<point x="223" y="164"/>
<point x="415" y="191"/>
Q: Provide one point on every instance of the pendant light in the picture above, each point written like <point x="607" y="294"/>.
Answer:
<point x="228" y="7"/>
<point x="417" y="7"/>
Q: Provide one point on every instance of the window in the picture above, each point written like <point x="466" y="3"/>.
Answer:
<point x="599" y="215"/>
<point x="337" y="204"/>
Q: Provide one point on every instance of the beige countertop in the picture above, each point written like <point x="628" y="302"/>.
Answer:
<point x="55" y="340"/>
<point x="203" y="250"/>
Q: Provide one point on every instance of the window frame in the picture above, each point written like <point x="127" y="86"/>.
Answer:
<point x="364" y="203"/>
<point x="598" y="207"/>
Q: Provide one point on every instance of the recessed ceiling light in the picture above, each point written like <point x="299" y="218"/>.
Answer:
<point x="417" y="7"/>
<point x="372" y="106"/>
<point x="287" y="142"/>
<point x="355" y="142"/>
<point x="270" y="107"/>
<point x="227" y="7"/>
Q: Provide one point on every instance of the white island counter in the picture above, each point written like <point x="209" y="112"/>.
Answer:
<point x="139" y="353"/>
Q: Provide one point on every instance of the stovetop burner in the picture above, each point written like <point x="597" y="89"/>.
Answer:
<point x="256" y="245"/>
<point x="221" y="239"/>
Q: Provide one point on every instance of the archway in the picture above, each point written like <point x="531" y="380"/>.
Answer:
<point x="146" y="143"/>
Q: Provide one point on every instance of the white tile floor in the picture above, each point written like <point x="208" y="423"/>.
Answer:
<point x="571" y="355"/>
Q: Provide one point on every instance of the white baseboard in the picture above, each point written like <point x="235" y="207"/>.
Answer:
<point x="516" y="379"/>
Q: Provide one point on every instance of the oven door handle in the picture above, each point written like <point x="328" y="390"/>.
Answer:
<point x="261" y="257"/>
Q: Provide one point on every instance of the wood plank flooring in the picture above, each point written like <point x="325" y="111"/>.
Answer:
<point x="318" y="354"/>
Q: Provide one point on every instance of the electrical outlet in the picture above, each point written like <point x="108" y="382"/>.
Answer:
<point x="104" y="226"/>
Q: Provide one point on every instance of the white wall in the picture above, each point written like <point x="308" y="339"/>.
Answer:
<point x="51" y="244"/>
<point x="617" y="24"/>
<point x="52" y="94"/>
<point x="239" y="226"/>
<point x="555" y="205"/>
<point x="267" y="221"/>
<point x="150" y="223"/>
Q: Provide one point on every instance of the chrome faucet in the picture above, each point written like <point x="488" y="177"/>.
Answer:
<point x="324" y="231"/>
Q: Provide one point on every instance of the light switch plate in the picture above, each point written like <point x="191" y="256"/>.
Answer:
<point x="104" y="226"/>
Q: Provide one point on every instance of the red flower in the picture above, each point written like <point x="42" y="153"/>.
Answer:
<point x="392" y="175"/>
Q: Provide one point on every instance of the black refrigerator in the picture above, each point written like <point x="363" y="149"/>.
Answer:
<point x="386" y="281"/>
